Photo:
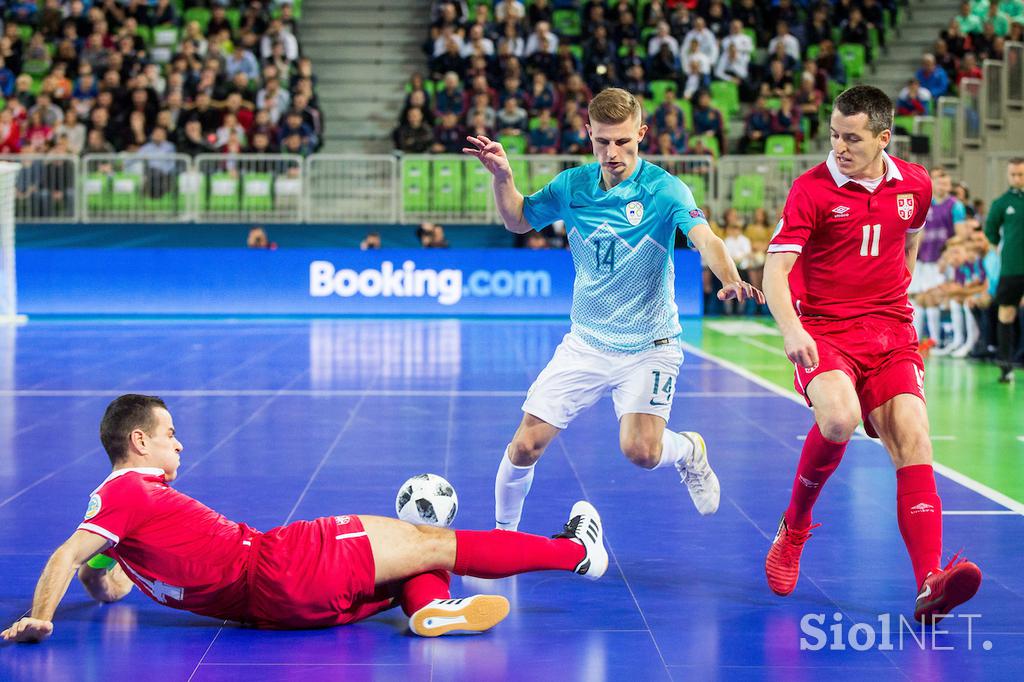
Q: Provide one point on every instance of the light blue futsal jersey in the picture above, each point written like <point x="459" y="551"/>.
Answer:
<point x="622" y="243"/>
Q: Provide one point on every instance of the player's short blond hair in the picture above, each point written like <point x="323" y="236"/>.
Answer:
<point x="615" y="105"/>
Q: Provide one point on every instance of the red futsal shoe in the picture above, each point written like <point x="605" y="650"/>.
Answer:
<point x="782" y="567"/>
<point x="944" y="590"/>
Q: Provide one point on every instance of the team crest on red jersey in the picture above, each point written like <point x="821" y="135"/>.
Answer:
<point x="905" y="205"/>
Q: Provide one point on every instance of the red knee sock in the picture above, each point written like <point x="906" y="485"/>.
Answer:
<point x="919" y="511"/>
<point x="420" y="590"/>
<point x="501" y="553"/>
<point x="818" y="459"/>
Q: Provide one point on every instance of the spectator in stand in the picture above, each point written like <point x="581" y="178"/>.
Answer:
<point x="538" y="11"/>
<point x="512" y="87"/>
<point x="477" y="42"/>
<point x="242" y="60"/>
<point x="74" y="132"/>
<point x="697" y="70"/>
<point x="782" y="35"/>
<point x="449" y="98"/>
<point x="913" y="100"/>
<point x="95" y="143"/>
<point x="707" y="120"/>
<point x="477" y="127"/>
<point x="984" y="44"/>
<point x="738" y="38"/>
<point x="7" y="79"/>
<point x="967" y="20"/>
<point x="160" y="172"/>
<point x="717" y="16"/>
<point x="542" y="39"/>
<point x="818" y="28"/>
<point x="371" y="242"/>
<point x="672" y="125"/>
<point x="510" y="36"/>
<point x="855" y="30"/>
<point x="626" y="31"/>
<point x="544" y="135"/>
<point x="663" y="38"/>
<point x="808" y="100"/>
<point x="789" y="65"/>
<point x="164" y="13"/>
<point x="542" y="94"/>
<point x="10" y="133"/>
<point x="706" y="41"/>
<point x="37" y="132"/>
<point x="230" y="126"/>
<point x="931" y="77"/>
<point x="776" y="83"/>
<point x="636" y="82"/>
<point x="413" y="136"/>
<point x="995" y="16"/>
<point x="482" y="106"/>
<point x="786" y="120"/>
<point x="830" y="63"/>
<point x="758" y="126"/>
<point x="449" y="136"/>
<point x="511" y="118"/>
<point x="575" y="139"/>
<point x="275" y="33"/>
<point x="945" y="59"/>
<point x="274" y="99"/>
<point x="751" y="13"/>
<point x="506" y="10"/>
<point x="968" y="68"/>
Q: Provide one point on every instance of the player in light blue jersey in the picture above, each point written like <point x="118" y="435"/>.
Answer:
<point x="621" y="216"/>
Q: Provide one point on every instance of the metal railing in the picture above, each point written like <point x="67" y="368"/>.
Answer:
<point x="1013" y="75"/>
<point x="134" y="188"/>
<point x="992" y="113"/>
<point x="969" y="127"/>
<point x="46" y="187"/>
<point x="230" y="188"/>
<point x="945" y="149"/>
<point x="748" y="183"/>
<point x="360" y="188"/>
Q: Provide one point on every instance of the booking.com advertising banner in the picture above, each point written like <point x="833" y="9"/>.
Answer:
<point x="136" y="281"/>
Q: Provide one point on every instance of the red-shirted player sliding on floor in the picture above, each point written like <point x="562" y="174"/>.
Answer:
<point x="331" y="571"/>
<point x="836" y="280"/>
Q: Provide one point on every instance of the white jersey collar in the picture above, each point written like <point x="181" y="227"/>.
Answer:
<point x="891" y="171"/>
<point x="148" y="471"/>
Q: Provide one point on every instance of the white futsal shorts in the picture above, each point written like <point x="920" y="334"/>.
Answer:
<point x="926" y="276"/>
<point x="579" y="374"/>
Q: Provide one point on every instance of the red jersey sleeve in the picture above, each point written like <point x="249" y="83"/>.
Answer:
<point x="798" y="219"/>
<point x="116" y="508"/>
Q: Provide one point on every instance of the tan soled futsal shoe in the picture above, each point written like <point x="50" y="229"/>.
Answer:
<point x="470" y="614"/>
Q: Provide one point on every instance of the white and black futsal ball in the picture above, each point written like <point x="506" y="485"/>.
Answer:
<point x="427" y="499"/>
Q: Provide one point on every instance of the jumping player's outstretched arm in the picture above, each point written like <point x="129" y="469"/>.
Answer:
<point x="713" y="251"/>
<point x="506" y="197"/>
<point x="52" y="585"/>
<point x="800" y="347"/>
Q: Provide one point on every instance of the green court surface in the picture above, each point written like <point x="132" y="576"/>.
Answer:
<point x="976" y="423"/>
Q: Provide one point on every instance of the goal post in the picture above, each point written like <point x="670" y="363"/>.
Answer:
<point x="8" y="275"/>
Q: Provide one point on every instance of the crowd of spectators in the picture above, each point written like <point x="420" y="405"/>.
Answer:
<point x="525" y="72"/>
<point x="155" y="76"/>
<point x="979" y="31"/>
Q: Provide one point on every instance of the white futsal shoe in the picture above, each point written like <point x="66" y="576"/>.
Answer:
<point x="699" y="478"/>
<point x="470" y="614"/>
<point x="584" y="526"/>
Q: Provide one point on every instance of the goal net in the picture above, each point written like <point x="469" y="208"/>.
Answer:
<point x="8" y="278"/>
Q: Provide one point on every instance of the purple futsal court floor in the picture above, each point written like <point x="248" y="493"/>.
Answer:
<point x="298" y="419"/>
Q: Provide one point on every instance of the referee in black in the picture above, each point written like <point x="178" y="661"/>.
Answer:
<point x="1005" y="223"/>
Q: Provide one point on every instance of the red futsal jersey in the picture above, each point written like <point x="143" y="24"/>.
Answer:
<point x="851" y="240"/>
<point x="178" y="551"/>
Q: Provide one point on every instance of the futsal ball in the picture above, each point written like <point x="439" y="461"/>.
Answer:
<point x="427" y="499"/>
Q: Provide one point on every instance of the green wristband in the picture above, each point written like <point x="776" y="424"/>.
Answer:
<point x="100" y="561"/>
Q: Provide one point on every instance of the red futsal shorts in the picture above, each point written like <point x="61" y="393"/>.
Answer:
<point x="312" y="574"/>
<point x="880" y="357"/>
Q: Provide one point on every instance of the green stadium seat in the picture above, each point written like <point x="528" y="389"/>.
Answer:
<point x="780" y="145"/>
<point x="577" y="51"/>
<point x="165" y="35"/>
<point x="447" y="186"/>
<point x="542" y="172"/>
<point x="711" y="142"/>
<point x="687" y="108"/>
<point x="257" y="192"/>
<point x="752" y="33"/>
<point x="697" y="186"/>
<point x="513" y="144"/>
<point x="198" y="14"/>
<point x="727" y="93"/>
<point x="854" y="59"/>
<point x="478" y="186"/>
<point x="96" y="187"/>
<point x="812" y="52"/>
<point x="724" y="109"/>
<point x="223" y="193"/>
<point x="566" y="23"/>
<point x="658" y="88"/>
<point x="125" y="191"/>
<point x="521" y="174"/>
<point x="905" y="122"/>
<point x="748" y="192"/>
<point x="146" y="33"/>
<point x="234" y="17"/>
<point x="415" y="185"/>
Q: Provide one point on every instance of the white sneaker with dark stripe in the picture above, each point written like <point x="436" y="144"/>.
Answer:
<point x="470" y="614"/>
<point x="584" y="526"/>
<point x="698" y="476"/>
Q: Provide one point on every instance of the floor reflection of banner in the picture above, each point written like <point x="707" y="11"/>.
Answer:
<point x="8" y="403"/>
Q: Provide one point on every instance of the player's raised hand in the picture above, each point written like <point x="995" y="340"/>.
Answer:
<point x="741" y="291"/>
<point x="28" y="630"/>
<point x="491" y="154"/>
<point x="801" y="349"/>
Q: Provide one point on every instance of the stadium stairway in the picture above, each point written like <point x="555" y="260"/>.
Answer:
<point x="922" y="22"/>
<point x="363" y="53"/>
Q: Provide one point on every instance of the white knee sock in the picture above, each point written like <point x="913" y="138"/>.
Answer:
<point x="918" y="320"/>
<point x="956" y="313"/>
<point x="511" y="486"/>
<point x="973" y="332"/>
<point x="934" y="316"/>
<point x="674" y="448"/>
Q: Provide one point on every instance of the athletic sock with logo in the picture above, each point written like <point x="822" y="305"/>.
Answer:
<point x="818" y="459"/>
<point x="919" y="511"/>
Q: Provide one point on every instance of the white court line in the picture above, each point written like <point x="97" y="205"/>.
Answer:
<point x="978" y="512"/>
<point x="951" y="474"/>
<point x="763" y="346"/>
<point x="327" y="393"/>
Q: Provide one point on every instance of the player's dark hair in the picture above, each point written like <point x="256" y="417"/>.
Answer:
<point x="1015" y="161"/>
<point x="866" y="99"/>
<point x="124" y="415"/>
